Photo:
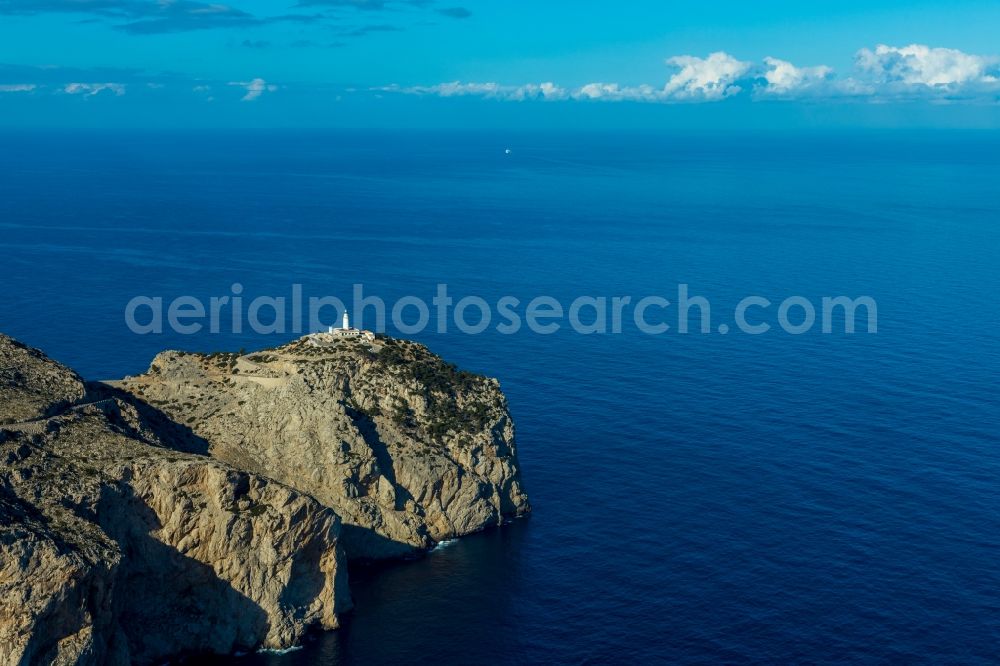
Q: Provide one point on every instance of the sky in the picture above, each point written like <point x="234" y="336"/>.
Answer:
<point x="468" y="64"/>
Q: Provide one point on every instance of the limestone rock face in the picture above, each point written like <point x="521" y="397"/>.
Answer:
<point x="115" y="549"/>
<point x="407" y="449"/>
<point x="55" y="604"/>
<point x="32" y="385"/>
<point x="195" y="508"/>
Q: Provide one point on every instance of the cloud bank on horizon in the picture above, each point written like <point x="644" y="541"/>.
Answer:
<point x="885" y="73"/>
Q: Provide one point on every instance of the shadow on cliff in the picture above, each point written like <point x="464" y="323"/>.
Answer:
<point x="364" y="545"/>
<point x="164" y="602"/>
<point x="58" y="621"/>
<point x="369" y="432"/>
<point x="169" y="432"/>
<point x="358" y="539"/>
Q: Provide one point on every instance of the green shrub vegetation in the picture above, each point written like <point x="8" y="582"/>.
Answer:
<point x="441" y="383"/>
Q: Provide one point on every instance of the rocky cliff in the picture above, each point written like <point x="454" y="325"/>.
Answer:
<point x="115" y="549"/>
<point x="207" y="505"/>
<point x="406" y="448"/>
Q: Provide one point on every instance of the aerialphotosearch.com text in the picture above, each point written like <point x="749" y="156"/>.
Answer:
<point x="682" y="312"/>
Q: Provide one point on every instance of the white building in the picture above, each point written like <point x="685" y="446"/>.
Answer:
<point x="347" y="332"/>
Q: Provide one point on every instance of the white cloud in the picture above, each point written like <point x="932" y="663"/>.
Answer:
<point x="546" y="90"/>
<point x="91" y="89"/>
<point x="710" y="78"/>
<point x="887" y="73"/>
<point x="254" y="88"/>
<point x="613" y="92"/>
<point x="784" y="78"/>
<point x="17" y="87"/>
<point x="704" y="79"/>
<point x="918" y="64"/>
<point x="492" y="90"/>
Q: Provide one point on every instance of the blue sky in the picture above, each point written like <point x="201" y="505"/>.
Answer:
<point x="403" y="63"/>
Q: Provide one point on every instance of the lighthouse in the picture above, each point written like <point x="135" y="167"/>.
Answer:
<point x="345" y="327"/>
<point x="345" y="331"/>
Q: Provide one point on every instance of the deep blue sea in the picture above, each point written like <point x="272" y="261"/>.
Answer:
<point x="699" y="498"/>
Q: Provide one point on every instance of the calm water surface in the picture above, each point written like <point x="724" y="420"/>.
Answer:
<point x="699" y="498"/>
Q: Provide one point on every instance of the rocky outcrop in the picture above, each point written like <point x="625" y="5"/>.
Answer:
<point x="406" y="448"/>
<point x="31" y="384"/>
<point x="115" y="549"/>
<point x="207" y="505"/>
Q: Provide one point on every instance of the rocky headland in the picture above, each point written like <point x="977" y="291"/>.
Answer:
<point x="211" y="503"/>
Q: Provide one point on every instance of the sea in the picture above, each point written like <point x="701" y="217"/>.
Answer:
<point x="720" y="497"/>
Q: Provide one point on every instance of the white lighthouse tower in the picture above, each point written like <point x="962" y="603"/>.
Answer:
<point x="345" y="331"/>
<point x="345" y="327"/>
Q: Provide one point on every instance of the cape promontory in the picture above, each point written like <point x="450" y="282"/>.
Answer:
<point x="405" y="447"/>
<point x="209" y="505"/>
